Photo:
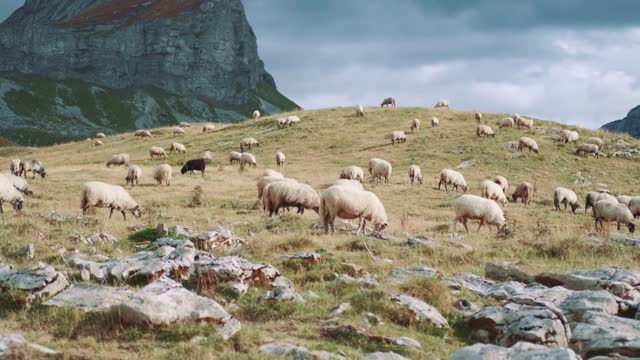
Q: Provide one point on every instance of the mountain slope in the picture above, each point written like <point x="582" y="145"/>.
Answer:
<point x="630" y="124"/>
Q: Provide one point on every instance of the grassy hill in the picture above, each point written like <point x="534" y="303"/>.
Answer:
<point x="317" y="148"/>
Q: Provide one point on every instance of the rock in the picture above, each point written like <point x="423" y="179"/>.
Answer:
<point x="310" y="295"/>
<point x="624" y="240"/>
<point x="371" y="319"/>
<point x="90" y="298"/>
<point x="421" y="310"/>
<point x="471" y="282"/>
<point x="162" y="230"/>
<point x="505" y="272"/>
<point x="420" y="240"/>
<point x="466" y="307"/>
<point x="40" y="281"/>
<point x="230" y="328"/>
<point x="335" y="331"/>
<point x="175" y="243"/>
<point x="216" y="237"/>
<point x="54" y="218"/>
<point x="520" y="351"/>
<point x="308" y="257"/>
<point x="365" y="281"/>
<point x="511" y="144"/>
<point x="418" y="271"/>
<point x="283" y="349"/>
<point x="465" y="164"/>
<point x="407" y="341"/>
<point x="340" y="309"/>
<point x="517" y="155"/>
<point x="604" y="334"/>
<point x="384" y="356"/>
<point x="28" y="251"/>
<point x="94" y="238"/>
<point x="14" y="346"/>
<point x="181" y="231"/>
<point x="281" y="293"/>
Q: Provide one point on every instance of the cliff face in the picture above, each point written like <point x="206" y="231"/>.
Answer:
<point x="630" y="124"/>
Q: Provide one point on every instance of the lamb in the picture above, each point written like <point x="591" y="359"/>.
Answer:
<point x="359" y="111"/>
<point x="352" y="173"/>
<point x="194" y="165"/>
<point x="235" y="156"/>
<point x="415" y="125"/>
<point x="586" y="149"/>
<point x="569" y="136"/>
<point x="184" y="124"/>
<point x="506" y="123"/>
<point x="286" y="193"/>
<point x="142" y="133"/>
<point x="292" y="119"/>
<point x="524" y="123"/>
<point x="35" y="166"/>
<point x="596" y="141"/>
<point x="8" y="193"/>
<point x="350" y="203"/>
<point x="114" y="197"/>
<point x="608" y="211"/>
<point x="502" y="181"/>
<point x="162" y="174"/>
<point x="98" y="143"/>
<point x="372" y="163"/>
<point x="472" y="207"/>
<point x="349" y="183"/>
<point x="248" y="143"/>
<point x="484" y="130"/>
<point x="624" y="199"/>
<point x="207" y="156"/>
<point x="119" y="159"/>
<point x="273" y="173"/>
<point x="442" y="104"/>
<point x="177" y="147"/>
<point x="158" y="152"/>
<point x="397" y="136"/>
<point x="528" y="143"/>
<point x="246" y="158"/>
<point x="415" y="174"/>
<point x="208" y="128"/>
<point x="452" y="177"/>
<point x="435" y="122"/>
<point x="256" y="115"/>
<point x="567" y="197"/>
<point x="264" y="180"/>
<point x="280" y="158"/>
<point x="15" y="167"/>
<point x="133" y="175"/>
<point x="523" y="191"/>
<point x="493" y="191"/>
<point x="101" y="135"/>
<point x="388" y="102"/>
<point x="478" y="116"/>
<point x="594" y="196"/>
<point x="382" y="169"/>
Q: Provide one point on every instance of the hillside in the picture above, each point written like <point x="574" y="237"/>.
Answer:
<point x="630" y="124"/>
<point x="327" y="140"/>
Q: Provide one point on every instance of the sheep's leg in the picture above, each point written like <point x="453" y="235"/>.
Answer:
<point x="1" y="210"/>
<point x="464" y="222"/>
<point x="479" y="226"/>
<point x="111" y="212"/>
<point x="124" y="215"/>
<point x="618" y="225"/>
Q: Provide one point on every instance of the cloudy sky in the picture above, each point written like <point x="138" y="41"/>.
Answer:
<point x="573" y="61"/>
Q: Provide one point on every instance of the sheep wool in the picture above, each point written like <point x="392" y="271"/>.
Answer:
<point x="506" y="123"/>
<point x="265" y="180"/>
<point x="624" y="199"/>
<point x="352" y="173"/>
<point x="478" y="116"/>
<point x="208" y="128"/>
<point x="14" y="167"/>
<point x="415" y="174"/>
<point x="248" y="143"/>
<point x="177" y="147"/>
<point x="593" y="197"/>
<point x="134" y="173"/>
<point x="157" y="152"/>
<point x="372" y="163"/>
<point x="528" y="143"/>
<point x="569" y="136"/>
<point x="118" y="159"/>
<point x="452" y="177"/>
<point x="247" y="159"/>
<point x="163" y="174"/>
<point x="280" y="159"/>
<point x="415" y="125"/>
<point x="286" y="193"/>
<point x="100" y="135"/>
<point x="397" y="137"/>
<point x="273" y="173"/>
<point x="503" y="182"/>
<point x="382" y="169"/>
<point x="484" y="130"/>
<point x="8" y="193"/>
<point x="184" y="124"/>
<point x="442" y="104"/>
<point x="256" y="115"/>
<point x="523" y="191"/>
<point x="349" y="183"/>
<point x="388" y="102"/>
<point x="207" y="156"/>
<point x="98" y="143"/>
<point x="351" y="203"/>
<point x="472" y="207"/>
<point x="234" y="156"/>
<point x="567" y="197"/>
<point x="435" y="122"/>
<point x="493" y="191"/>
<point x="178" y="131"/>
<point x="103" y="195"/>
<point x="35" y="166"/>
<point x="587" y="149"/>
<point x="359" y="111"/>
<point x="18" y="183"/>
<point x="596" y="141"/>
<point x="634" y="206"/>
<point x="607" y="211"/>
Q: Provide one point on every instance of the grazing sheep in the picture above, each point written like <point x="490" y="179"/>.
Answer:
<point x="352" y="173"/>
<point x="15" y="167"/>
<point x="634" y="206"/>
<point x="452" y="177"/>
<point x="351" y="203"/>
<point x="194" y="165"/>
<point x="359" y="111"/>
<point x="158" y="152"/>
<point x="350" y="183"/>
<point x="255" y="115"/>
<point x="506" y="123"/>
<point x="248" y="143"/>
<point x="208" y="128"/>
<point x="273" y="173"/>
<point x="280" y="158"/>
<point x="207" y="156"/>
<point x="18" y="183"/>
<point x="415" y="125"/>
<point x="8" y="193"/>
<point x="286" y="193"/>
<point x="528" y="143"/>
<point x="608" y="211"/>
<point x="415" y="174"/>
<point x="101" y="135"/>
<point x="478" y="116"/>
<point x="98" y="143"/>
<point x="567" y="197"/>
<point x="524" y="123"/>
<point x="484" y="130"/>
<point x="593" y="197"/>
<point x="178" y="131"/>
<point x="246" y="158"/>
<point x="119" y="159"/>
<point x="177" y="147"/>
<point x="502" y="181"/>
<point x="444" y="104"/>
<point x="103" y="195"/>
<point x="523" y="191"/>
<point x="133" y="175"/>
<point x="235" y="156"/>
<point x="184" y="124"/>
<point x="163" y="174"/>
<point x="282" y="122"/>
<point x="596" y="141"/>
<point x="382" y="169"/>
<point x="35" y="166"/>
<point x="142" y="133"/>
<point x="372" y="163"/>
<point x="586" y="149"/>
<point x="435" y="122"/>
<point x="472" y="207"/>
<point x="569" y="136"/>
<point x="388" y="102"/>
<point x="493" y="191"/>
<point x="624" y="199"/>
<point x="264" y="180"/>
<point x="292" y="119"/>
<point x="397" y="136"/>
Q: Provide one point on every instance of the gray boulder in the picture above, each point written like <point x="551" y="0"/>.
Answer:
<point x="91" y="297"/>
<point x="520" y="351"/>
<point x="296" y="352"/>
<point x="598" y="333"/>
<point x="421" y="310"/>
<point x="384" y="356"/>
<point x="14" y="346"/>
<point x="40" y="281"/>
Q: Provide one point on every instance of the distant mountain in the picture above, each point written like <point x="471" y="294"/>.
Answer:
<point x="70" y="68"/>
<point x="629" y="124"/>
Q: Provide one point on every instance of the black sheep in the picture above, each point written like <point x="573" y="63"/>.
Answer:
<point x="194" y="165"/>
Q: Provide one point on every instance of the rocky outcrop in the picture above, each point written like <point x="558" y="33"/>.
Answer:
<point x="629" y="124"/>
<point x="520" y="351"/>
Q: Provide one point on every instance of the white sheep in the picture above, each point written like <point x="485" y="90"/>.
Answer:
<point x="178" y="131"/>
<point x="247" y="159"/>
<point x="587" y="149"/>
<point x="101" y="135"/>
<point x="14" y="167"/>
<point x="382" y="169"/>
<point x="282" y="122"/>
<point x="503" y="182"/>
<point x="118" y="159"/>
<point x="158" y="152"/>
<point x="98" y="143"/>
<point x="388" y="102"/>
<point x="607" y="211"/>
<point x="472" y="207"/>
<point x="596" y="141"/>
<point x="442" y="104"/>
<point x="506" y="123"/>
<point x="8" y="193"/>
<point x="255" y="115"/>
<point x="103" y="195"/>
<point x="18" y="183"/>
<point x="484" y="130"/>
<point x="435" y="122"/>
<point x="359" y="111"/>
<point x="350" y="203"/>
<point x="372" y="163"/>
<point x="415" y="125"/>
<point x="415" y="174"/>
<point x="235" y="156"/>
<point x="349" y="183"/>
<point x="207" y="156"/>
<point x="264" y="180"/>
<point x="286" y="193"/>
<point x="524" y="123"/>
<point x="567" y="197"/>
<point x="523" y="191"/>
<point x="184" y="124"/>
<point x="352" y="173"/>
<point x="208" y="128"/>
<point x="143" y="133"/>
<point x="593" y="197"/>
<point x="292" y="119"/>
<point x="528" y="143"/>
<point x="280" y="158"/>
<point x="272" y="173"/>
<point x="634" y="206"/>
<point x="163" y="174"/>
<point x="478" y="116"/>
<point x="493" y="191"/>
<point x="248" y="143"/>
<point x="35" y="166"/>
<point x="133" y="175"/>
<point x="452" y="177"/>
<point x="177" y="147"/>
<point x="397" y="136"/>
<point x="624" y="199"/>
<point x="569" y="136"/>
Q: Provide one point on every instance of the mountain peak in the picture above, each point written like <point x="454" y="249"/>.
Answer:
<point x="629" y="124"/>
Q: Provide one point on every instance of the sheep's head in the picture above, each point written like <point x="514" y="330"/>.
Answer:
<point x="632" y="227"/>
<point x="381" y="227"/>
<point x="536" y="151"/>
<point x="43" y="173"/>
<point x="17" y="204"/>
<point x="183" y="170"/>
<point x="464" y="188"/>
<point x="136" y="211"/>
<point x="575" y="207"/>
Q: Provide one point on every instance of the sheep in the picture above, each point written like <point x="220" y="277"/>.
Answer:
<point x="502" y="181"/>
<point x="382" y="169"/>
<point x="177" y="147"/>
<point x="178" y="131"/>
<point x="350" y="203"/>
<point x="207" y="156"/>
<point x="18" y="183"/>
<point x="280" y="158"/>
<point x="478" y="116"/>
<point x="184" y="124"/>
<point x="593" y="197"/>
<point x="14" y="167"/>
<point x="208" y="128"/>
<point x="388" y="102"/>
<point x="452" y="177"/>
<point x="234" y="156"/>
<point x="282" y="122"/>
<point x="286" y="193"/>
<point x="249" y="159"/>
<point x="569" y="136"/>
<point x="264" y="180"/>
<point x="624" y="199"/>
<point x="292" y="119"/>
<point x="35" y="166"/>
<point x="194" y="165"/>
<point x="372" y="163"/>
<point x="142" y="133"/>
<point x="119" y="159"/>
<point x="352" y="173"/>
<point x="359" y="111"/>
<point x="8" y="193"/>
<point x="162" y="174"/>
<point x="506" y="123"/>
<point x="415" y="174"/>
<point x="528" y="143"/>
<point x="248" y="143"/>
<point x="397" y="136"/>
<point x="442" y="104"/>
<point x="472" y="207"/>
<point x="350" y="183"/>
<point x="133" y="175"/>
<point x="484" y="130"/>
<point x="586" y="149"/>
<point x="567" y="197"/>
<point x="114" y="197"/>
<point x="524" y="123"/>
<point x="415" y="125"/>
<point x="596" y="141"/>
<point x="634" y="206"/>
<point x="158" y="152"/>
<point x="493" y="191"/>
<point x="98" y="143"/>
<point x="435" y="122"/>
<point x="101" y="135"/>
<point x="608" y="211"/>
<point x="523" y="191"/>
<point x="255" y="115"/>
<point x="272" y="173"/>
